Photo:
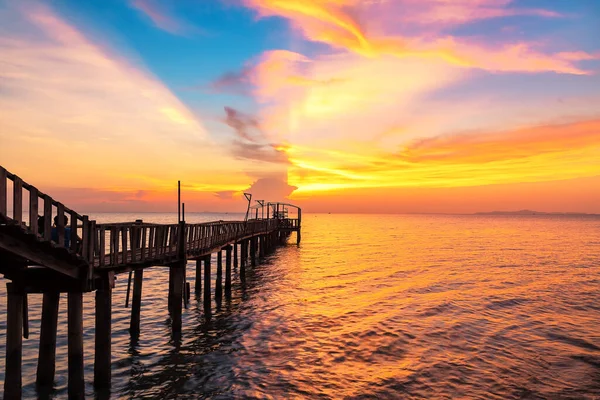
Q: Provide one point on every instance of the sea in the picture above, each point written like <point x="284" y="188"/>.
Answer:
<point x="366" y="307"/>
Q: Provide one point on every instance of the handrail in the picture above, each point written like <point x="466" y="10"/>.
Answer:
<point x="120" y="243"/>
<point x="80" y="240"/>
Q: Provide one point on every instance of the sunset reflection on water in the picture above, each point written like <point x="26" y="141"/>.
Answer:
<point x="387" y="306"/>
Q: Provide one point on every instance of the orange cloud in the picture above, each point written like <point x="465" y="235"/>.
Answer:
<point x="335" y="22"/>
<point x="534" y="154"/>
<point x="520" y="143"/>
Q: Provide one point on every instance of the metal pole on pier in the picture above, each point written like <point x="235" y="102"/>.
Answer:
<point x="178" y="201"/>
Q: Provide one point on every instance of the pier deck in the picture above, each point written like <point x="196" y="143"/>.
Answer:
<point x="85" y="256"/>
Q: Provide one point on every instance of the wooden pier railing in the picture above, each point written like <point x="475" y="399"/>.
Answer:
<point x="40" y="252"/>
<point x="114" y="246"/>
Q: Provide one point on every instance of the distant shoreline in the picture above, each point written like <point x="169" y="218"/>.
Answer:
<point x="532" y="212"/>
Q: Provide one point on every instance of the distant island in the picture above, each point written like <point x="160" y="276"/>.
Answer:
<point x="531" y="212"/>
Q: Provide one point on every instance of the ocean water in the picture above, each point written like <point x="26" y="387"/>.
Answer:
<point x="368" y="306"/>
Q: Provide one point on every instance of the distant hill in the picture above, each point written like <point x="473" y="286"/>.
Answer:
<point x="531" y="212"/>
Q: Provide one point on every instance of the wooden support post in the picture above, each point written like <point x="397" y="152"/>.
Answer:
<point x="75" y="345"/>
<point x="228" y="271"/>
<point x="178" y="277"/>
<point x="25" y="317"/>
<point x="219" y="281"/>
<point x="47" y="353"/>
<point x="103" y="354"/>
<point x="253" y="251"/>
<point x="136" y="303"/>
<point x="186" y="297"/>
<point x="198" y="287"/>
<point x="298" y="237"/>
<point x="14" y="342"/>
<point x="170" y="294"/>
<point x="207" y="306"/>
<point x="3" y="202"/>
<point x="261" y="246"/>
<point x="235" y="256"/>
<point x="243" y="260"/>
<point x="128" y="289"/>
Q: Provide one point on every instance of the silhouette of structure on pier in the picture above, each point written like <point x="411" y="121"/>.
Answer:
<point x="85" y="256"/>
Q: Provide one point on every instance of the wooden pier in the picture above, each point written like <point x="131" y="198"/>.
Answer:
<point x="38" y="256"/>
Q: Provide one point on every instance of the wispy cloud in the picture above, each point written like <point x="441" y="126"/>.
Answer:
<point x="531" y="154"/>
<point x="162" y="17"/>
<point x="336" y="22"/>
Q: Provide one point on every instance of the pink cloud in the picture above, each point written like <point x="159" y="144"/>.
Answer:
<point x="370" y="29"/>
<point x="161" y="17"/>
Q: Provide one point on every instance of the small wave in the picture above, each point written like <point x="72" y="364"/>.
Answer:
<point x="572" y="341"/>
<point x="499" y="304"/>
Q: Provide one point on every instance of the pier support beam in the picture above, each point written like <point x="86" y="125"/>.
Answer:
<point x="261" y="246"/>
<point x="228" y="271"/>
<point x="207" y="306"/>
<point x="243" y="260"/>
<point x="178" y="275"/>
<point x="298" y="237"/>
<point x="253" y="251"/>
<point x="75" y="345"/>
<point x="14" y="342"/>
<point x="198" y="287"/>
<point x="47" y="353"/>
<point x="219" y="281"/>
<point x="103" y="351"/>
<point x="235" y="256"/>
<point x="136" y="303"/>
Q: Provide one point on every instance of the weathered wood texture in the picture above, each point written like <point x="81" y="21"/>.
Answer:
<point x="14" y="342"/>
<point x="103" y="354"/>
<point x="75" y="345"/>
<point x="47" y="351"/>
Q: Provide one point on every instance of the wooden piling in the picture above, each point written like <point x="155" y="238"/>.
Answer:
<point x="25" y="317"/>
<point x="243" y="260"/>
<point x="253" y="252"/>
<point x="136" y="303"/>
<point x="219" y="279"/>
<point x="207" y="305"/>
<point x="198" y="287"/>
<point x="228" y="271"/>
<point x="103" y="352"/>
<point x="75" y="345"/>
<point x="14" y="342"/>
<point x="178" y="282"/>
<point x="170" y="294"/>
<point x="261" y="246"/>
<point x="235" y="256"/>
<point x="47" y="352"/>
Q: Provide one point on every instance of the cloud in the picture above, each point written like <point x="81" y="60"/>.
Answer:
<point x="237" y="82"/>
<point x="270" y="189"/>
<point x="259" y="152"/>
<point x="481" y="147"/>
<point x="225" y="194"/>
<point x="532" y="154"/>
<point x="251" y="142"/>
<point x="338" y="23"/>
<point x="245" y="126"/>
<point x="76" y="105"/>
<point x="161" y="18"/>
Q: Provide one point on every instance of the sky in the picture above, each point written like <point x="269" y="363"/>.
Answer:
<point x="376" y="106"/>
